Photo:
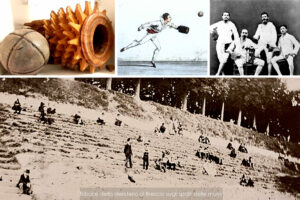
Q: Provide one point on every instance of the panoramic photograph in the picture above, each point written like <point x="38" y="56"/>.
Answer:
<point x="149" y="138"/>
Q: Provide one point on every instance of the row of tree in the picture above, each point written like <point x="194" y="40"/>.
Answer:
<point x="261" y="104"/>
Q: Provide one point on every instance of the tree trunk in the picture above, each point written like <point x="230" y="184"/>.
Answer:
<point x="268" y="130"/>
<point x="239" y="122"/>
<point x="137" y="89"/>
<point x="254" y="123"/>
<point x="108" y="83"/>
<point x="203" y="106"/>
<point x="222" y="111"/>
<point x="184" y="102"/>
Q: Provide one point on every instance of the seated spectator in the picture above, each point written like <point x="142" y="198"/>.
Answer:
<point x="243" y="181"/>
<point x="101" y="121"/>
<point x="229" y="146"/>
<point x="243" y="149"/>
<point x="17" y="107"/>
<point x="162" y="128"/>
<point x="24" y="183"/>
<point x="118" y="121"/>
<point x="232" y="153"/>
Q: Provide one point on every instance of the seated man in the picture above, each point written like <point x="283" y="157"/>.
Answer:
<point x="243" y="180"/>
<point x="76" y="118"/>
<point x="24" y="183"/>
<point x="250" y="183"/>
<point x="17" y="107"/>
<point x="288" y="49"/>
<point x="243" y="149"/>
<point x="42" y="111"/>
<point x="101" y="121"/>
<point x="229" y="146"/>
<point x="179" y="128"/>
<point x="246" y="54"/>
<point x="162" y="128"/>
<point x="232" y="153"/>
<point x="170" y="164"/>
<point x="118" y="121"/>
<point x="247" y="163"/>
<point x="159" y="165"/>
<point x="51" y="111"/>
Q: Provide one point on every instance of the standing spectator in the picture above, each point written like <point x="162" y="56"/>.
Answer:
<point x="128" y="153"/>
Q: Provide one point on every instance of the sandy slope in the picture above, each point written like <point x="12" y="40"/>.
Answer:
<point x="64" y="157"/>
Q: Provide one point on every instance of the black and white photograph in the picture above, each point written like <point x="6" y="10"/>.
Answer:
<point x="254" y="37"/>
<point x="162" y="38"/>
<point x="233" y="138"/>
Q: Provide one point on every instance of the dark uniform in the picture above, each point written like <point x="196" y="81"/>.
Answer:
<point x="146" y="160"/>
<point x="128" y="154"/>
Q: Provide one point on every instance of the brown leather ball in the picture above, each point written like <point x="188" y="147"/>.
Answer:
<point x="24" y="51"/>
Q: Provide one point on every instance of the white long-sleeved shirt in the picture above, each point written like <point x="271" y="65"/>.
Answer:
<point x="157" y="25"/>
<point x="266" y="34"/>
<point x="288" y="44"/>
<point x="243" y="47"/>
<point x="225" y="31"/>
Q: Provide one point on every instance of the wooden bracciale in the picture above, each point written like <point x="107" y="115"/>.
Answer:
<point x="80" y="38"/>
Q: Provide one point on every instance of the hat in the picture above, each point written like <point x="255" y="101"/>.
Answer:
<point x="27" y="171"/>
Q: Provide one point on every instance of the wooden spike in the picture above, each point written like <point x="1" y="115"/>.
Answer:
<point x="79" y="14"/>
<point x="83" y="65"/>
<point x="103" y="12"/>
<point x="70" y="15"/>
<point x="63" y="41"/>
<point x="65" y="26"/>
<point x="75" y="27"/>
<point x="74" y="41"/>
<point x="92" y="69"/>
<point x="61" y="12"/>
<point x="70" y="48"/>
<point x="69" y="34"/>
<point x="96" y="6"/>
<point x="73" y="63"/>
<point x="78" y="54"/>
<point x="88" y="9"/>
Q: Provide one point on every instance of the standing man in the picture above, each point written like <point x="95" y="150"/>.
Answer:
<point x="128" y="154"/>
<point x="247" y="53"/>
<point x="227" y="33"/>
<point x="288" y="47"/>
<point x="267" y="36"/>
<point x="146" y="157"/>
<point x="153" y="28"/>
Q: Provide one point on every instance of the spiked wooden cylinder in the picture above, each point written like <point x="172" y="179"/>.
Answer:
<point x="80" y="38"/>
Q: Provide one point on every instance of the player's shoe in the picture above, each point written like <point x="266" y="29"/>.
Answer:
<point x="153" y="64"/>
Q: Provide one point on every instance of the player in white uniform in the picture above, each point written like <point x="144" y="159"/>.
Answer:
<point x="288" y="47"/>
<point x="267" y="36"/>
<point x="226" y="29"/>
<point x="243" y="55"/>
<point x="153" y="28"/>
